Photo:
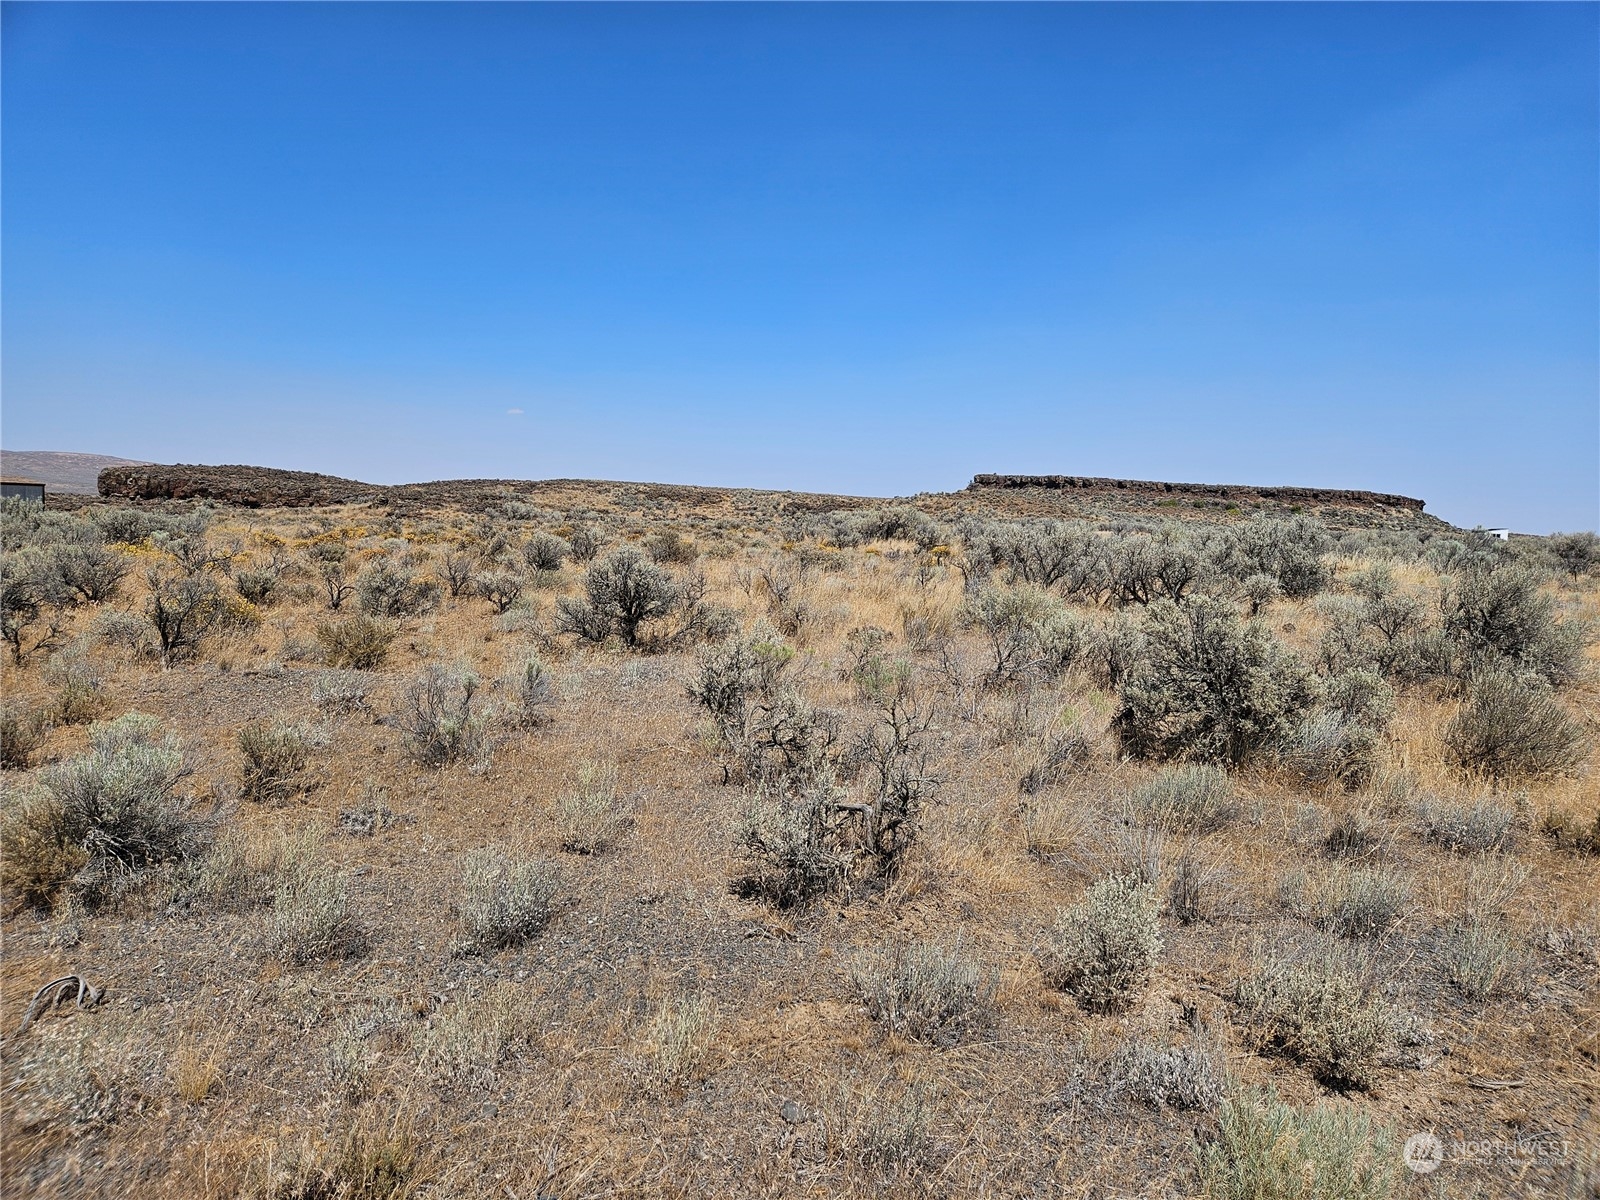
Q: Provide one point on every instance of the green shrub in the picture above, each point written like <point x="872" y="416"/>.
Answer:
<point x="1317" y="1012"/>
<point x="1104" y="949"/>
<point x="91" y="571"/>
<point x="359" y="642"/>
<point x="505" y="901"/>
<point x="1513" y="726"/>
<point x="1209" y="688"/>
<point x="1269" y="1150"/>
<point x="925" y="992"/>
<point x="1029" y="633"/>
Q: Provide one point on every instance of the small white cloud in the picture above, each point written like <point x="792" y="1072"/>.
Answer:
<point x="513" y="412"/>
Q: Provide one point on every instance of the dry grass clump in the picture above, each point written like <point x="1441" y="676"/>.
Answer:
<point x="1481" y="957"/>
<point x="885" y="1129"/>
<point x="1195" y="886"/>
<point x="679" y="1037"/>
<point x="361" y="1163"/>
<point x="591" y="817"/>
<point x="1471" y="827"/>
<point x="1353" y="902"/>
<point x="1267" y="1149"/>
<point x="311" y="919"/>
<point x="1191" y="799"/>
<point x="274" y="756"/>
<point x="505" y="901"/>
<point x="1317" y="1012"/>
<point x="357" y="642"/>
<point x="1103" y="949"/>
<point x="467" y="1039"/>
<point x="926" y="992"/>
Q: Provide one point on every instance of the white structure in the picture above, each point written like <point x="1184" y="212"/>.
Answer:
<point x="1503" y="534"/>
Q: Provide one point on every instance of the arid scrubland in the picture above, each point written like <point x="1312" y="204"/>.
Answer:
<point x="622" y="846"/>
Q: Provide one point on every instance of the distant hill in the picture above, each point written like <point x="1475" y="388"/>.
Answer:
<point x="1060" y="496"/>
<point x="60" y="470"/>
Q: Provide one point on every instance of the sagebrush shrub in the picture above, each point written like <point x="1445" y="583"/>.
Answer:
<point x="790" y="839"/>
<point x="1104" y="949"/>
<point x="440" y="719"/>
<point x="505" y="901"/>
<point x="1479" y="956"/>
<point x="388" y="589"/>
<point x="1498" y="621"/>
<point x="623" y="592"/>
<point x="182" y="609"/>
<point x="1513" y="726"/>
<point x="90" y="571"/>
<point x="925" y="992"/>
<point x="501" y="588"/>
<point x="1353" y="902"/>
<point x="118" y="804"/>
<point x="1185" y="1077"/>
<point x="1209" y="687"/>
<point x="1577" y="554"/>
<point x="21" y="732"/>
<point x="545" y="552"/>
<point x="533" y="693"/>
<point x="1318" y="1012"/>
<point x="1029" y="632"/>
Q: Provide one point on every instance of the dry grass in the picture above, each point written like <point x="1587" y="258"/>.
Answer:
<point x="290" y="1015"/>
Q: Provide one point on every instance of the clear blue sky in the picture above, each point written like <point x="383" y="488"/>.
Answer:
<point x="860" y="248"/>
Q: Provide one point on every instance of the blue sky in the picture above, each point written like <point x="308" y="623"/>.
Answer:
<point x="859" y="248"/>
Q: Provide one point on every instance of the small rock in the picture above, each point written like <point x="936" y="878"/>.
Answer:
<point x="491" y="1109"/>
<point x="792" y="1112"/>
